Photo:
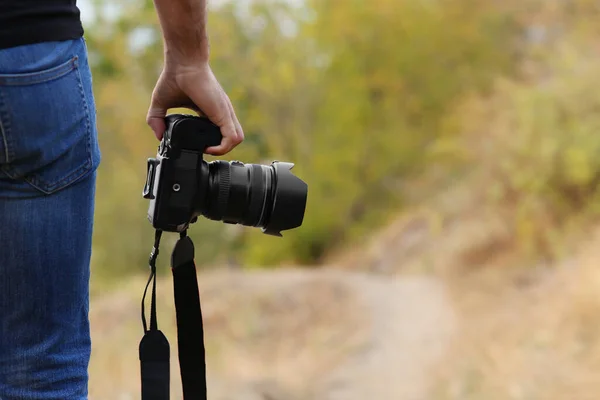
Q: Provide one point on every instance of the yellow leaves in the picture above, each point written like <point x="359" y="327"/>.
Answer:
<point x="579" y="168"/>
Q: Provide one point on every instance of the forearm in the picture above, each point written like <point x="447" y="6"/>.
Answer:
<point x="183" y="24"/>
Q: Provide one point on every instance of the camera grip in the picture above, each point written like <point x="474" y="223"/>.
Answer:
<point x="191" y="132"/>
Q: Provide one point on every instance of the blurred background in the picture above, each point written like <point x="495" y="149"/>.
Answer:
<point x="450" y="243"/>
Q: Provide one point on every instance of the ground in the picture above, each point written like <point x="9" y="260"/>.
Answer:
<point x="290" y="334"/>
<point x="425" y="311"/>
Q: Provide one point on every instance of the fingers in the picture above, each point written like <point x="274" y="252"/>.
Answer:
<point x="216" y="106"/>
<point x="232" y="135"/>
<point x="238" y="126"/>
<point x="156" y="117"/>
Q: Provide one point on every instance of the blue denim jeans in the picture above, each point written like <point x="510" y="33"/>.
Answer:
<point x="48" y="158"/>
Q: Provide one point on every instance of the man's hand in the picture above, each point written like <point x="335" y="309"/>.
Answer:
<point x="187" y="80"/>
<point x="195" y="87"/>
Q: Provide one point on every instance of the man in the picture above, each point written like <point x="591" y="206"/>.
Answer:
<point x="48" y="159"/>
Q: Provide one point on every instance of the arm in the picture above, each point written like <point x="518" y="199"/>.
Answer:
<point x="187" y="79"/>
<point x="183" y="23"/>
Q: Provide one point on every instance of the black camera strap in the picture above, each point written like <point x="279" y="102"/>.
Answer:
<point x="154" y="346"/>
<point x="190" y="331"/>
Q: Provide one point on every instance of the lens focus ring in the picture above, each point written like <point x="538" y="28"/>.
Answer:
<point x="224" y="182"/>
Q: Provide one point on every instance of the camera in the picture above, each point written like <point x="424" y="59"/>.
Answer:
<point x="182" y="186"/>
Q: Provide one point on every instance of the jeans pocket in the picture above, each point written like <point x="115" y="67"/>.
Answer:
<point x="47" y="125"/>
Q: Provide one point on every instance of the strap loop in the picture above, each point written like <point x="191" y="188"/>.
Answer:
<point x="154" y="350"/>
<point x="152" y="278"/>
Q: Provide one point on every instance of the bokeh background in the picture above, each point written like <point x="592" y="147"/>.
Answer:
<point x="451" y="240"/>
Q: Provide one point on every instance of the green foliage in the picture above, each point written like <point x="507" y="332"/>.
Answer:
<point x="381" y="89"/>
<point x="356" y="94"/>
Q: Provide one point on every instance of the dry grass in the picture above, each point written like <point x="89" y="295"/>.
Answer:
<point x="527" y="334"/>
<point x="264" y="333"/>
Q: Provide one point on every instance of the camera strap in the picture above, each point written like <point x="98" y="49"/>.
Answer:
<point x="154" y="346"/>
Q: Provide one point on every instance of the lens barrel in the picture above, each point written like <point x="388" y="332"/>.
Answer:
<point x="269" y="197"/>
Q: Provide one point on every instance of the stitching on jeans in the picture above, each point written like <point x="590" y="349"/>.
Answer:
<point x="49" y="189"/>
<point x="39" y="77"/>
<point x="3" y="133"/>
<point x="4" y="140"/>
<point x="87" y="114"/>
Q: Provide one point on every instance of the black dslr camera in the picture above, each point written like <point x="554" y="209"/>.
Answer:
<point x="182" y="186"/>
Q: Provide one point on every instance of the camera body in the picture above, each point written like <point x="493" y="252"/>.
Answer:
<point x="173" y="175"/>
<point x="182" y="186"/>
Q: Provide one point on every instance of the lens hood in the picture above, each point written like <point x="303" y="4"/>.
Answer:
<point x="289" y="200"/>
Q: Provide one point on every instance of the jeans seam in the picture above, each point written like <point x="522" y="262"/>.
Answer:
<point x="72" y="177"/>
<point x="87" y="116"/>
<point x="4" y="125"/>
<point x="40" y="77"/>
<point x="4" y="140"/>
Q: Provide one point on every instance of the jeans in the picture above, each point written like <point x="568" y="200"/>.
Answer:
<point x="49" y="154"/>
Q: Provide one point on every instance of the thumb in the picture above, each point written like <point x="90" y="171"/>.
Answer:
<point x="156" y="118"/>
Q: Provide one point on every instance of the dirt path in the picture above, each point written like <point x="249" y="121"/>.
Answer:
<point x="411" y="324"/>
<point x="291" y="334"/>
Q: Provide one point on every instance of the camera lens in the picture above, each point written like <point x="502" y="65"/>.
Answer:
<point x="269" y="197"/>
